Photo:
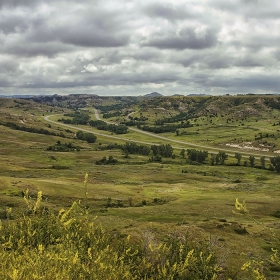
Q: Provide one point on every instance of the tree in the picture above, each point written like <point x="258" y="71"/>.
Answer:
<point x="212" y="159"/>
<point x="238" y="157"/>
<point x="197" y="156"/>
<point x="263" y="162"/>
<point x="252" y="161"/>
<point x="154" y="149"/>
<point x="182" y="153"/>
<point x="275" y="161"/>
<point x="87" y="136"/>
<point x="162" y="150"/>
<point x="221" y="157"/>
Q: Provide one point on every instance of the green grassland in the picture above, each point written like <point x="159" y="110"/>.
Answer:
<point x="136" y="196"/>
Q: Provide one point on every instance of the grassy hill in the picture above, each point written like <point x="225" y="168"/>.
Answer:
<point x="150" y="200"/>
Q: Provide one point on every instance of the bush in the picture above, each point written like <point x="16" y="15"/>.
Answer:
<point x="67" y="245"/>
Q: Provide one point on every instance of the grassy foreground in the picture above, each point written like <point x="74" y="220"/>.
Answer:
<point x="42" y="245"/>
<point x="68" y="245"/>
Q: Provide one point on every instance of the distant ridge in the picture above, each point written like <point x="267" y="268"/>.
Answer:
<point x="199" y="94"/>
<point x="153" y="94"/>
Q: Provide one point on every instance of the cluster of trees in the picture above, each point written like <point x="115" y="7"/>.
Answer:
<point x="133" y="123"/>
<point x="63" y="147"/>
<point x="196" y="156"/>
<point x="219" y="158"/>
<point x="86" y="136"/>
<point x="275" y="162"/>
<point x="105" y="161"/>
<point x="32" y="129"/>
<point x="162" y="150"/>
<point x="78" y="118"/>
<point x="164" y="128"/>
<point x="133" y="148"/>
<point x="101" y="125"/>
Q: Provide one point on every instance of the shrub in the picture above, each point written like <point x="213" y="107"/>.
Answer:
<point x="67" y="245"/>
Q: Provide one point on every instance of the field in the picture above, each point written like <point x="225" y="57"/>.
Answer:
<point x="149" y="199"/>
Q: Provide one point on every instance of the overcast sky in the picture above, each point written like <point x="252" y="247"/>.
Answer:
<point x="134" y="47"/>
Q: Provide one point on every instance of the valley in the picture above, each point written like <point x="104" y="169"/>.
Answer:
<point x="151" y="181"/>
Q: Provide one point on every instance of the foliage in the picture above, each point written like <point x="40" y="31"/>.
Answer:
<point x="220" y="158"/>
<point x="241" y="207"/>
<point x="252" y="161"/>
<point x="101" y="125"/>
<point x="164" y="128"/>
<point x="255" y="269"/>
<point x="262" y="159"/>
<point x="133" y="148"/>
<point x="31" y="129"/>
<point x="79" y="117"/>
<point x="87" y="136"/>
<point x="104" y="161"/>
<point x="63" y="147"/>
<point x="155" y="159"/>
<point x="162" y="150"/>
<point x="182" y="153"/>
<point x="112" y="114"/>
<point x="275" y="161"/>
<point x="197" y="156"/>
<point x="68" y="245"/>
<point x="238" y="157"/>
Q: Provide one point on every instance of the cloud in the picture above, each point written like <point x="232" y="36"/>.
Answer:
<point x="167" y="11"/>
<point x="132" y="47"/>
<point x="187" y="38"/>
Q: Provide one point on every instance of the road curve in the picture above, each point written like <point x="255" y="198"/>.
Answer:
<point x="208" y="148"/>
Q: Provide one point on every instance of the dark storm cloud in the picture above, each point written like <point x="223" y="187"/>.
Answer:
<point x="187" y="38"/>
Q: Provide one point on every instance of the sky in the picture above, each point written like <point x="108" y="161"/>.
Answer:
<point x="135" y="47"/>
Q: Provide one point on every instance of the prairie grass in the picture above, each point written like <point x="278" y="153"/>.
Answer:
<point x="67" y="245"/>
<point x="149" y="201"/>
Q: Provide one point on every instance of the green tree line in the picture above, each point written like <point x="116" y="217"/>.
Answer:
<point x="101" y="125"/>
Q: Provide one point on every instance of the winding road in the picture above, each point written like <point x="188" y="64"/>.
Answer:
<point x="208" y="148"/>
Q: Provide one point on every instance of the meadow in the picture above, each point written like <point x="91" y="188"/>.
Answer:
<point x="150" y="201"/>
